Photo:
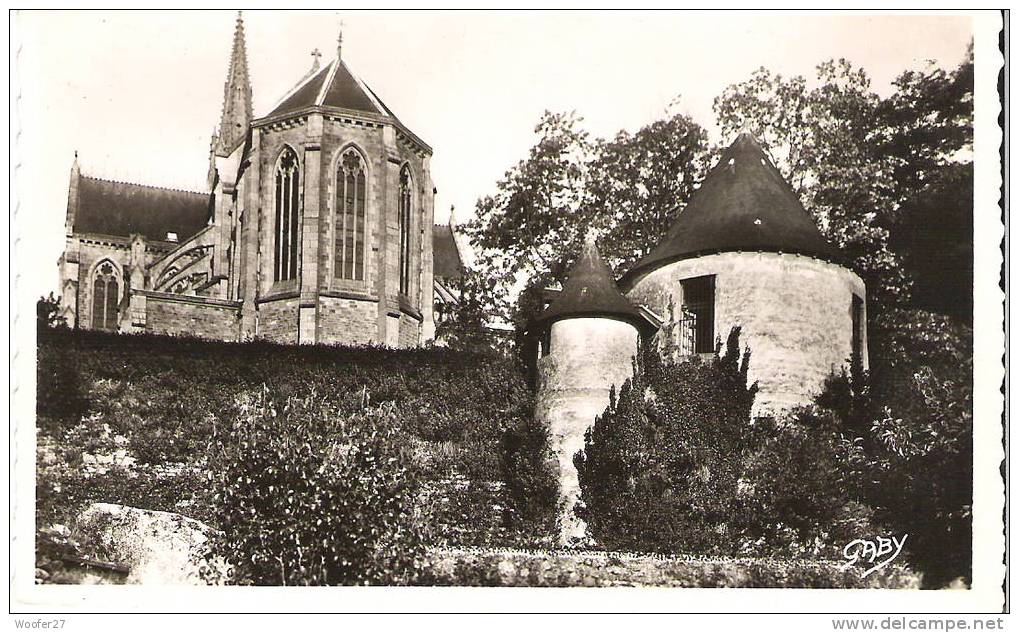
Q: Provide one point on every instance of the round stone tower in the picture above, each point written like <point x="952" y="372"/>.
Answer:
<point x="745" y="252"/>
<point x="588" y="338"/>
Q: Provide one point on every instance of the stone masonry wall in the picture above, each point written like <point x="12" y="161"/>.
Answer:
<point x="795" y="314"/>
<point x="410" y="331"/>
<point x="573" y="387"/>
<point x="277" y="320"/>
<point x="181" y="316"/>
<point x="347" y="321"/>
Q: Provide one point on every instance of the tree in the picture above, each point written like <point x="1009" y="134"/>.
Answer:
<point x="660" y="469"/>
<point x="464" y="325"/>
<point x="47" y="312"/>
<point x="533" y="222"/>
<point x="639" y="183"/>
<point x="824" y="140"/>
<point x="927" y="132"/>
<point x="629" y="190"/>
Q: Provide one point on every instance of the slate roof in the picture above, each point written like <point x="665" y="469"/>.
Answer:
<point x="121" y="209"/>
<point x="590" y="291"/>
<point x="744" y="204"/>
<point x="446" y="261"/>
<point x="341" y="90"/>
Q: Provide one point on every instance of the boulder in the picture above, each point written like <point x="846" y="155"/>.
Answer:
<point x="158" y="547"/>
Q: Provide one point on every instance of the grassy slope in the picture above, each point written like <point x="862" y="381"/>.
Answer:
<point x="126" y="419"/>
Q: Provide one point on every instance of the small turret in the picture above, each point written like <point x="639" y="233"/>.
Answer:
<point x="589" y="336"/>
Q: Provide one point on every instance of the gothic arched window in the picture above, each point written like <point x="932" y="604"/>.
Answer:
<point x="105" y="297"/>
<point x="405" y="198"/>
<point x="288" y="192"/>
<point x="351" y="217"/>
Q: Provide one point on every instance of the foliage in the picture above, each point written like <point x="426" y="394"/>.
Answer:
<point x="531" y="474"/>
<point x="558" y="568"/>
<point x="465" y="324"/>
<point x="310" y="495"/>
<point x="660" y="469"/>
<point x="47" y="310"/>
<point x="166" y="398"/>
<point x="913" y="415"/>
<point x="639" y="183"/>
<point x="927" y="132"/>
<point x="800" y="494"/>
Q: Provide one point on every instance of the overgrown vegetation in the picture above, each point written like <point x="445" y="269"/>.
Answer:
<point x="676" y="464"/>
<point x="144" y="421"/>
<point x="308" y="494"/>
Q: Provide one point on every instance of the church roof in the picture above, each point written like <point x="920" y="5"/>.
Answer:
<point x="590" y="291"/>
<point x="332" y="86"/>
<point x="446" y="261"/>
<point x="121" y="209"/>
<point x="744" y="204"/>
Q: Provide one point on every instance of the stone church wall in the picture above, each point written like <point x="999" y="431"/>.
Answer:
<point x="89" y="255"/>
<point x="181" y="315"/>
<point x="347" y="321"/>
<point x="277" y="320"/>
<point x="795" y="314"/>
<point x="410" y="329"/>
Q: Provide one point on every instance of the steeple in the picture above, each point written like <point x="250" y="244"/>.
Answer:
<point x="72" y="196"/>
<point x="233" y="126"/>
<point x="339" y="43"/>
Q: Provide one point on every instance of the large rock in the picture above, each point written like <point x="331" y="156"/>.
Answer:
<point x="159" y="547"/>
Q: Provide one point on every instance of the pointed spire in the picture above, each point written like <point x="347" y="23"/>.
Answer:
<point x="72" y="196"/>
<point x="236" y="118"/>
<point x="339" y="43"/>
<point x="452" y="216"/>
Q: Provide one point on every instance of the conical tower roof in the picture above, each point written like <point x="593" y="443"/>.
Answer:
<point x="590" y="291"/>
<point x="744" y="204"/>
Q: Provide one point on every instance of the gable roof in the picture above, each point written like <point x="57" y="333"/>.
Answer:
<point x="122" y="209"/>
<point x="590" y="291"/>
<point x="446" y="260"/>
<point x="332" y="86"/>
<point x="744" y="204"/>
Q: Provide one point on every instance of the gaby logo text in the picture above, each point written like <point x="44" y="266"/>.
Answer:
<point x="879" y="550"/>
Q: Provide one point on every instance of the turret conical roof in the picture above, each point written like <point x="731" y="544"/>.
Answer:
<point x="744" y="204"/>
<point x="590" y="291"/>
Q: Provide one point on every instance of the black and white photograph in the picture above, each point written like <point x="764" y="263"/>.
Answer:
<point x="560" y="301"/>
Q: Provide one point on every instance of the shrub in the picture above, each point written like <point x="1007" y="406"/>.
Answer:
<point x="913" y="417"/>
<point x="310" y="495"/>
<point x="660" y="468"/>
<point x="169" y="395"/>
<point x="800" y="494"/>
<point x="531" y="476"/>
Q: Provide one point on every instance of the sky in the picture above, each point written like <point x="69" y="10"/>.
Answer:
<point x="137" y="94"/>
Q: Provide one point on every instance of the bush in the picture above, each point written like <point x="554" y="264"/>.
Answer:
<point x="168" y="396"/>
<point x="660" y="469"/>
<point x="801" y="493"/>
<point x="913" y="417"/>
<point x="677" y="465"/>
<point x="309" y="495"/>
<point x="532" y="482"/>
